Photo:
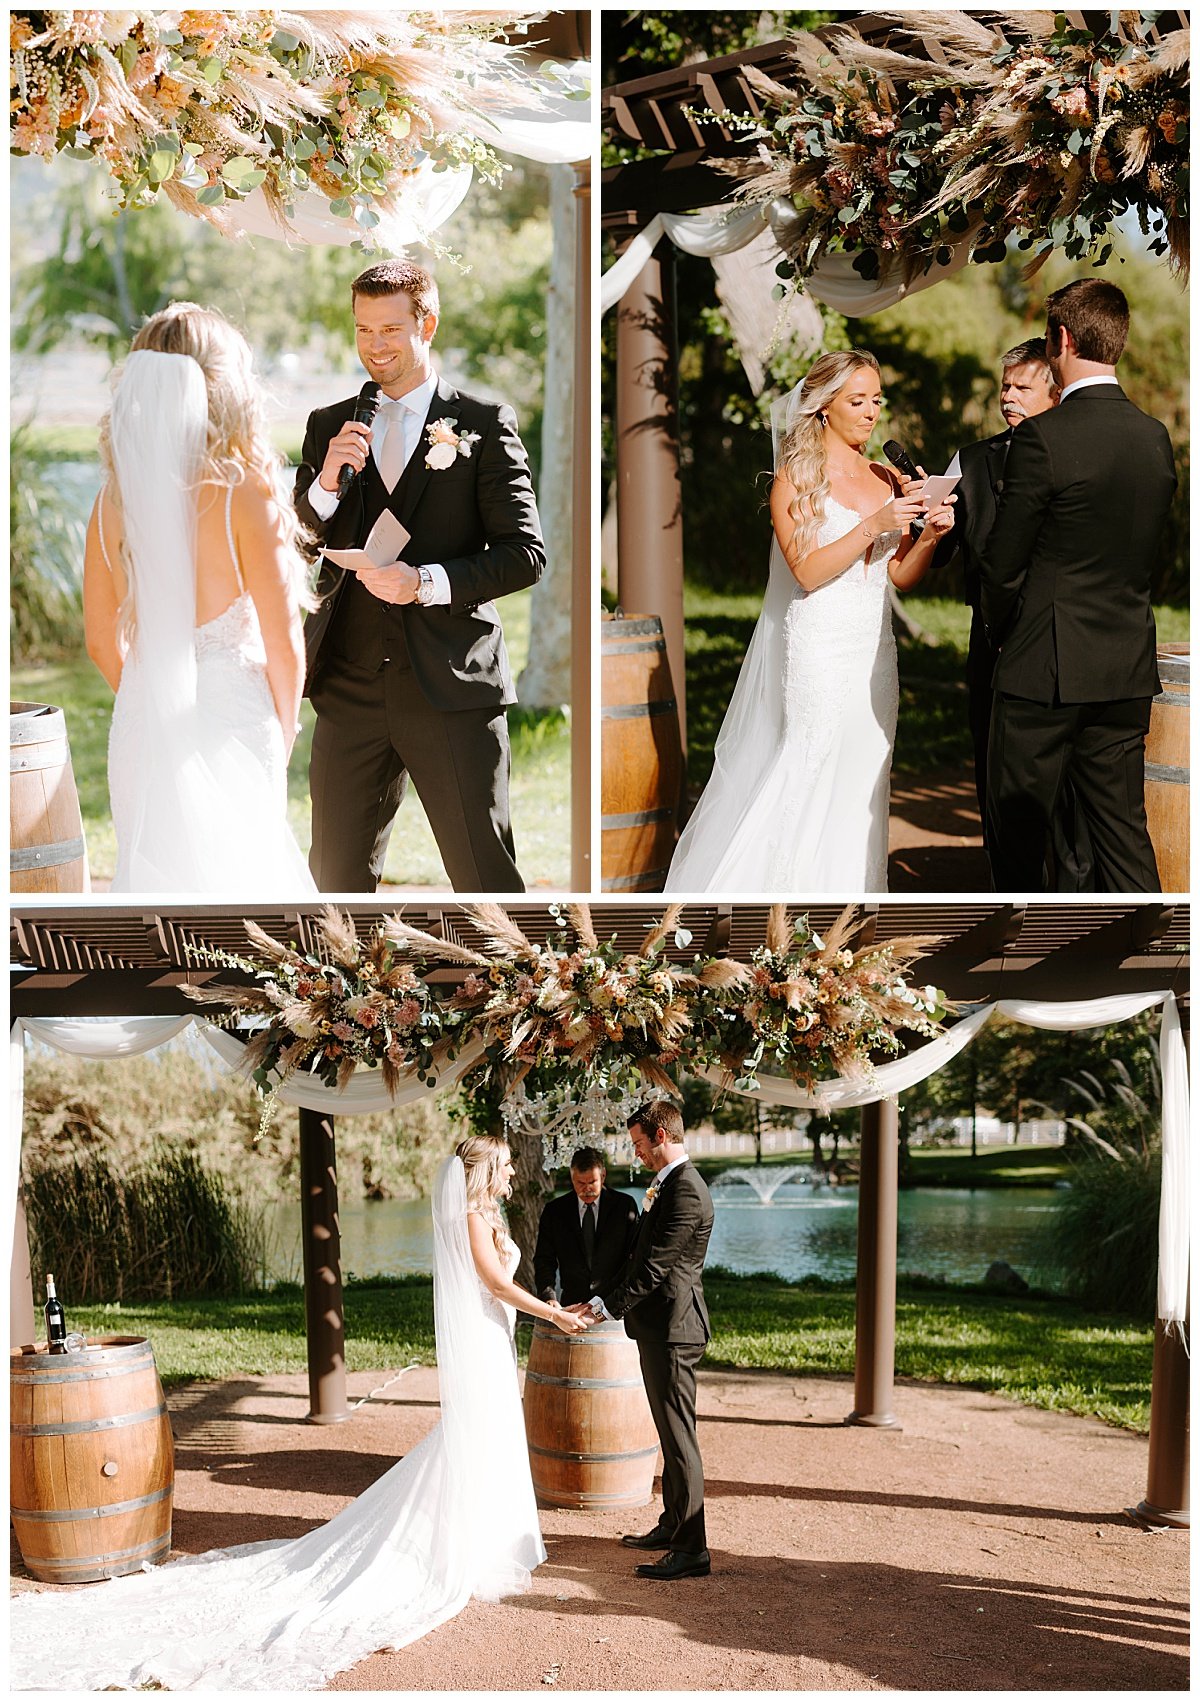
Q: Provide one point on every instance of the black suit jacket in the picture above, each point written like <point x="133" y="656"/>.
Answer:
<point x="1066" y="571"/>
<point x="560" y="1246"/>
<point x="661" y="1296"/>
<point x="477" y="517"/>
<point x="978" y="492"/>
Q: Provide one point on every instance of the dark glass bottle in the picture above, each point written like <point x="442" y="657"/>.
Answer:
<point x="56" y="1320"/>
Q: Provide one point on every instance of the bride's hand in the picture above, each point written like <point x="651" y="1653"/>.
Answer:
<point x="570" y="1322"/>
<point x="941" y="519"/>
<point x="898" y="514"/>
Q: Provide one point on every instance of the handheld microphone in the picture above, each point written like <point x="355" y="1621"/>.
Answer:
<point x="365" y="409"/>
<point x="903" y="462"/>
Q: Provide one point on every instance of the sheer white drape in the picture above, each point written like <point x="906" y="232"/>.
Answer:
<point x="835" y="282"/>
<point x="366" y="1093"/>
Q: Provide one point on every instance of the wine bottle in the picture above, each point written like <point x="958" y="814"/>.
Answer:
<point x="56" y="1320"/>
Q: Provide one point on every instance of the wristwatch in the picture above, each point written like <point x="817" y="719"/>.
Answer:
<point x="425" y="586"/>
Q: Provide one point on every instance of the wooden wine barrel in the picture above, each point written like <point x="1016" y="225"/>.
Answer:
<point x="48" y="852"/>
<point x="592" y="1441"/>
<point x="1168" y="773"/>
<point x="92" y="1470"/>
<point x="641" y="758"/>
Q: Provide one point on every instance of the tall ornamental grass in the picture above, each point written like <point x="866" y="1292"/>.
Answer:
<point x="167" y="1228"/>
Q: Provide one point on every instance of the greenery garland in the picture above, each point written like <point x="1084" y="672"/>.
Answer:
<point x="573" y="1014"/>
<point x="1030" y="126"/>
<point x="205" y="107"/>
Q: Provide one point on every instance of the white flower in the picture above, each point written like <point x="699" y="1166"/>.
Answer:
<point x="441" y="456"/>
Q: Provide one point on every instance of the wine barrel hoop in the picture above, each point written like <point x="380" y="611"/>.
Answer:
<point x="69" y="1515"/>
<point x="595" y="1458"/>
<point x="104" y="1372"/>
<point x="1164" y="774"/>
<point x="583" y="1381"/>
<point x="29" y="758"/>
<point x="638" y="626"/>
<point x="91" y="1567"/>
<point x="638" y="711"/>
<point x="121" y="1421"/>
<point x="650" y="880"/>
<point x="29" y="857"/>
<point x="639" y="818"/>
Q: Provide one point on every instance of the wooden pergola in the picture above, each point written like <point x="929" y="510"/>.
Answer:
<point x="684" y="175"/>
<point x="111" y="961"/>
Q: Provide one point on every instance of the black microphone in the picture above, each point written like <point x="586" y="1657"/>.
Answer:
<point x="903" y="462"/>
<point x="365" y="409"/>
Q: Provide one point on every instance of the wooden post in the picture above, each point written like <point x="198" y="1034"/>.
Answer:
<point x="649" y="499"/>
<point x="321" y="1236"/>
<point x="581" y="552"/>
<point x="875" y="1308"/>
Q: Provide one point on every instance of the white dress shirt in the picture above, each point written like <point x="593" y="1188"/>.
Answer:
<point x="1083" y="383"/>
<point x="409" y="410"/>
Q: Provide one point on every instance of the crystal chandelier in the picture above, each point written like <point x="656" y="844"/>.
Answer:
<point x="564" y="1122"/>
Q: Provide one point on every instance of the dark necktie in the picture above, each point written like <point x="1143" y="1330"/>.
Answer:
<point x="589" y="1233"/>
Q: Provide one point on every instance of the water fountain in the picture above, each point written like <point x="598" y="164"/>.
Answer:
<point x="765" y="1182"/>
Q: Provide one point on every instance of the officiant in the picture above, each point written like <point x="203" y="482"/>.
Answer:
<point x="584" y="1236"/>
<point x="1027" y="389"/>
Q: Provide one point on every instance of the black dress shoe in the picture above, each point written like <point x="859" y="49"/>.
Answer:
<point x="651" y="1541"/>
<point x="673" y="1565"/>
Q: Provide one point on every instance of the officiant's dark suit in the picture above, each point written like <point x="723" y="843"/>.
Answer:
<point x="661" y="1299"/>
<point x="405" y="690"/>
<point x="562" y="1246"/>
<point x="1065" y="577"/>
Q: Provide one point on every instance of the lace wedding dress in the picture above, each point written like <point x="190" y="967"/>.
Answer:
<point x="455" y="1518"/>
<point x="196" y="766"/>
<point x="797" y="802"/>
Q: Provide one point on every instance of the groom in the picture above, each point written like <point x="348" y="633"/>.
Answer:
<point x="661" y="1299"/>
<point x="407" y="668"/>
<point x="1065" y="593"/>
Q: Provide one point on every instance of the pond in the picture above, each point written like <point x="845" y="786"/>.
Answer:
<point x="952" y="1233"/>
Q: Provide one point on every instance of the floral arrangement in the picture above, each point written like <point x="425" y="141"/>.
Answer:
<point x="574" y="1015"/>
<point x="205" y="107"/>
<point x="1030" y="125"/>
<point x="356" y="1003"/>
<point x="446" y="444"/>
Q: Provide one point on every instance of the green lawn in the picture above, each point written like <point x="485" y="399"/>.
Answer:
<point x="540" y="783"/>
<point x="935" y="1166"/>
<point x="1042" y="1352"/>
<point x="932" y="731"/>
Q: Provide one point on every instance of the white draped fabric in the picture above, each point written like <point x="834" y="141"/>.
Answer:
<point x="131" y="1036"/>
<point x="1063" y="1017"/>
<point x="834" y="281"/>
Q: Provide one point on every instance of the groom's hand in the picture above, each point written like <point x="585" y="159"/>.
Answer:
<point x="398" y="583"/>
<point x="352" y="445"/>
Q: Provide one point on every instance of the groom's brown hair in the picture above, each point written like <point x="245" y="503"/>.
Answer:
<point x="661" y="1120"/>
<point x="399" y="277"/>
<point x="1096" y="314"/>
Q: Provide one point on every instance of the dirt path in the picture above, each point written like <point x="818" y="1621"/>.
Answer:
<point x="982" y="1546"/>
<point x="935" y="842"/>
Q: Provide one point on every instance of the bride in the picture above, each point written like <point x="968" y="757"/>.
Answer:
<point x="798" y="796"/>
<point x="455" y="1518"/>
<point x="193" y="586"/>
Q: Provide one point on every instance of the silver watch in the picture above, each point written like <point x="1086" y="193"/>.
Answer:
<point x="425" y="587"/>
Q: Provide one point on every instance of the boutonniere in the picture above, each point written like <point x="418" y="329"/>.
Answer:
<point x="651" y="1196"/>
<point x="446" y="444"/>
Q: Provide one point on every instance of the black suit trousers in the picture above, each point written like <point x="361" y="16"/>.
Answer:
<point x="669" y="1373"/>
<point x="1036" y="748"/>
<point x="375" y="728"/>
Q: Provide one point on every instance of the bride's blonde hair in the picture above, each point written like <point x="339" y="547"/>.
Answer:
<point x="238" y="444"/>
<point x="802" y="455"/>
<point x="483" y="1157"/>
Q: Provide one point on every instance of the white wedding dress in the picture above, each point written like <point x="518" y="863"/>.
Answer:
<point x="797" y="802"/>
<point x="197" y="772"/>
<point x="455" y="1518"/>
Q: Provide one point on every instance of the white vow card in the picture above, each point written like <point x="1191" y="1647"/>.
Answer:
<point x="935" y="490"/>
<point x="384" y="545"/>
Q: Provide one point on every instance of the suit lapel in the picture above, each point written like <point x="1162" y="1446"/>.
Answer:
<point x="416" y="474"/>
<point x="997" y="456"/>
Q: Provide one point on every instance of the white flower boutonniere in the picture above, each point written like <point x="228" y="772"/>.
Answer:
<point x="446" y="444"/>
